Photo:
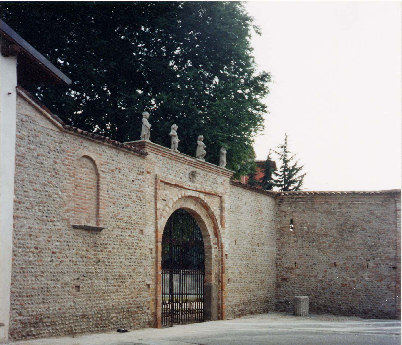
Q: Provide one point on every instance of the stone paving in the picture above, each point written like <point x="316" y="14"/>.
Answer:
<point x="264" y="329"/>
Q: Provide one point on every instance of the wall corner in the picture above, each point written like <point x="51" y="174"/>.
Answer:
<point x="8" y="110"/>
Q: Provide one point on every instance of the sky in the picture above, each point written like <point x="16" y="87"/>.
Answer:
<point x="335" y="90"/>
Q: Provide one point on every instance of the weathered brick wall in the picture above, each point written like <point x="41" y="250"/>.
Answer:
<point x="250" y="243"/>
<point x="86" y="192"/>
<point x="343" y="252"/>
<point x="67" y="280"/>
<point x="201" y="187"/>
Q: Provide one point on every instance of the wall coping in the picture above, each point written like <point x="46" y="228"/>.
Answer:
<point x="303" y="193"/>
<point x="74" y="130"/>
<point x="143" y="148"/>
<point x="253" y="189"/>
<point x="308" y="193"/>
<point x="150" y="147"/>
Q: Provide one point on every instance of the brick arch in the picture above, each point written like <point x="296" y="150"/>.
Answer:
<point x="213" y="248"/>
<point x="182" y="196"/>
<point x="86" y="191"/>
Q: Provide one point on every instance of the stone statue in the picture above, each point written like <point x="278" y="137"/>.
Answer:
<point x="174" y="139"/>
<point x="222" y="158"/>
<point x="200" y="153"/>
<point x="146" y="127"/>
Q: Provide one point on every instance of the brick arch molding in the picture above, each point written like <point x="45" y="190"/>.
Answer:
<point x="214" y="256"/>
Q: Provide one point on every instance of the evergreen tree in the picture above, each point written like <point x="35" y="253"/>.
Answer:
<point x="267" y="182"/>
<point x="290" y="176"/>
<point x="186" y="62"/>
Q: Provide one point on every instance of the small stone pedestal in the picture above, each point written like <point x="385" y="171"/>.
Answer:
<point x="301" y="304"/>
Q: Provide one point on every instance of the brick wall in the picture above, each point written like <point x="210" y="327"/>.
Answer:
<point x="86" y="192"/>
<point x="343" y="252"/>
<point x="68" y="280"/>
<point x="251" y="249"/>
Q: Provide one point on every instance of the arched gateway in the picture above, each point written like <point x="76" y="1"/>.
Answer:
<point x="183" y="270"/>
<point x="190" y="265"/>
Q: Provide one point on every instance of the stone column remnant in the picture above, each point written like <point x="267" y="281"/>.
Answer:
<point x="146" y="127"/>
<point x="174" y="139"/>
<point x="200" y="153"/>
<point x="222" y="158"/>
<point x="301" y="304"/>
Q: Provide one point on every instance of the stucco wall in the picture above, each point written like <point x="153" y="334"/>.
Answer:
<point x="343" y="252"/>
<point x="250" y="243"/>
<point x="8" y="82"/>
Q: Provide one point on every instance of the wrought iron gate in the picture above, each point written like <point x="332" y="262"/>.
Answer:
<point x="182" y="270"/>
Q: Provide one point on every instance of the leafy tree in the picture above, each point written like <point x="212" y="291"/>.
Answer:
<point x="188" y="63"/>
<point x="267" y="182"/>
<point x="290" y="176"/>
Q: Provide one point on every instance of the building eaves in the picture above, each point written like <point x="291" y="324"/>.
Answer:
<point x="28" y="54"/>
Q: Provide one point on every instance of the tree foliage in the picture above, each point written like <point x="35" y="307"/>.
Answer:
<point x="188" y="63"/>
<point x="289" y="176"/>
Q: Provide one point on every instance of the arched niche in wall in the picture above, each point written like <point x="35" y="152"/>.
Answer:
<point x="86" y="194"/>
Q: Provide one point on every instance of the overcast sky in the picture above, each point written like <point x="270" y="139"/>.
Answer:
<point x="336" y="90"/>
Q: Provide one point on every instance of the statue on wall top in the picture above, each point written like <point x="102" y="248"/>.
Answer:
<point x="200" y="153"/>
<point x="222" y="158"/>
<point x="174" y="139"/>
<point x="146" y="127"/>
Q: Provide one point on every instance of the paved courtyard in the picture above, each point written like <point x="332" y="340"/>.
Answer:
<point x="273" y="328"/>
